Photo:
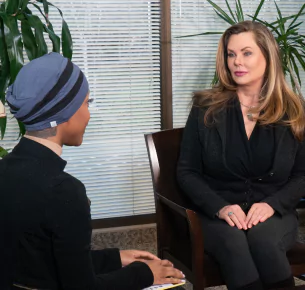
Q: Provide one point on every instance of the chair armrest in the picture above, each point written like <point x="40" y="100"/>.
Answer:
<point x="177" y="208"/>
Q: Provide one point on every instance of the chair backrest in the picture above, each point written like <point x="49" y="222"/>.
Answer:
<point x="163" y="150"/>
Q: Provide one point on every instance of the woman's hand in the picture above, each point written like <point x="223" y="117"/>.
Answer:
<point x="129" y="256"/>
<point x="234" y="216"/>
<point x="259" y="212"/>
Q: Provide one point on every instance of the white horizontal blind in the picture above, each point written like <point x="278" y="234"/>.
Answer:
<point x="194" y="58"/>
<point x="116" y="44"/>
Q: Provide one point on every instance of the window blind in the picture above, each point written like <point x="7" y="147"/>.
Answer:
<point x="193" y="58"/>
<point x="116" y="44"/>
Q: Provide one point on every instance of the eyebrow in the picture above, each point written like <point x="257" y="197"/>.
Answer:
<point x="241" y="49"/>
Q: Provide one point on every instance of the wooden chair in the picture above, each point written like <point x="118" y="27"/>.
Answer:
<point x="179" y="234"/>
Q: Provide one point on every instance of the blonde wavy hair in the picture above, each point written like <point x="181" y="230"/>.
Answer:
<point x="278" y="103"/>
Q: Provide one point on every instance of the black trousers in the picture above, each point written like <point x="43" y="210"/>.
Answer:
<point x="255" y="254"/>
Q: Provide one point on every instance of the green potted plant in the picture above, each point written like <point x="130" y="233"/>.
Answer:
<point x="23" y="32"/>
<point x="286" y="31"/>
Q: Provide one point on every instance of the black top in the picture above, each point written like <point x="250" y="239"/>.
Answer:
<point x="212" y="180"/>
<point x="47" y="229"/>
<point x="251" y="157"/>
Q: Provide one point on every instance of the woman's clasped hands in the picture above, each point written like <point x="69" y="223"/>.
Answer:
<point x="235" y="216"/>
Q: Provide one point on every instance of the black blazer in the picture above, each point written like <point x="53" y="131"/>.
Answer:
<point x="47" y="229"/>
<point x="205" y="177"/>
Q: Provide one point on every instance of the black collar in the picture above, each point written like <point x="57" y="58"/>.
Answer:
<point x="50" y="160"/>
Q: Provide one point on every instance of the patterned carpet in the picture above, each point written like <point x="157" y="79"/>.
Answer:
<point x="145" y="237"/>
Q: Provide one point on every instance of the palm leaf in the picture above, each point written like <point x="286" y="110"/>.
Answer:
<point x="230" y="10"/>
<point x="295" y="68"/>
<point x="294" y="26"/>
<point x="297" y="16"/>
<point x="221" y="13"/>
<point x="198" y="34"/>
<point x="269" y="25"/>
<point x="299" y="57"/>
<point x="292" y="83"/>
<point x="285" y="19"/>
<point x="230" y="21"/>
<point x="281" y="22"/>
<point x="258" y="9"/>
<point x="239" y="11"/>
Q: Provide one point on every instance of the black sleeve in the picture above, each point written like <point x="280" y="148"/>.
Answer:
<point x="106" y="260"/>
<point x="189" y="169"/>
<point x="70" y="219"/>
<point x="286" y="199"/>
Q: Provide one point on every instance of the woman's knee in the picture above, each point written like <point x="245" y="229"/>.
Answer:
<point x="272" y="235"/>
<point x="235" y="244"/>
<point x="260" y="241"/>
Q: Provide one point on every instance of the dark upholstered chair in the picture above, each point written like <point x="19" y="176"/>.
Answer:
<point x="179" y="234"/>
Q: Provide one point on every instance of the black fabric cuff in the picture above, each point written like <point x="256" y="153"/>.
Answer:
<point x="106" y="260"/>
<point x="214" y="209"/>
<point x="274" y="203"/>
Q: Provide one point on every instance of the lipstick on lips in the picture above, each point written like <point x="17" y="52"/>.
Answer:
<point x="240" y="73"/>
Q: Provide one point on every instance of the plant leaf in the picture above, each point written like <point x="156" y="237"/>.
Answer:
<point x="29" y="41"/>
<point x="23" y="5"/>
<point x="13" y="44"/>
<point x="67" y="44"/>
<point x="3" y="126"/>
<point x="215" y="79"/>
<point x="11" y="6"/>
<point x="281" y="22"/>
<point x="3" y="152"/>
<point x="272" y="27"/>
<point x="299" y="57"/>
<point x="222" y="13"/>
<point x="291" y="28"/>
<point x="5" y="64"/>
<point x="45" y="7"/>
<point x="49" y="24"/>
<point x="231" y="12"/>
<point x="258" y="9"/>
<point x="35" y="22"/>
<point x="225" y="19"/>
<point x="295" y="68"/>
<point x="21" y="129"/>
<point x="54" y="38"/>
<point x="239" y="11"/>
<point x="297" y="16"/>
<point x="204" y="33"/>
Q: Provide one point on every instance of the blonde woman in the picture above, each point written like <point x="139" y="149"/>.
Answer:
<point x="242" y="160"/>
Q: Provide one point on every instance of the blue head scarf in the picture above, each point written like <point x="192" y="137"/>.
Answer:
<point x="47" y="92"/>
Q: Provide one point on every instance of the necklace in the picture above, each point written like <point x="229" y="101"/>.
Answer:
<point x="249" y="115"/>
